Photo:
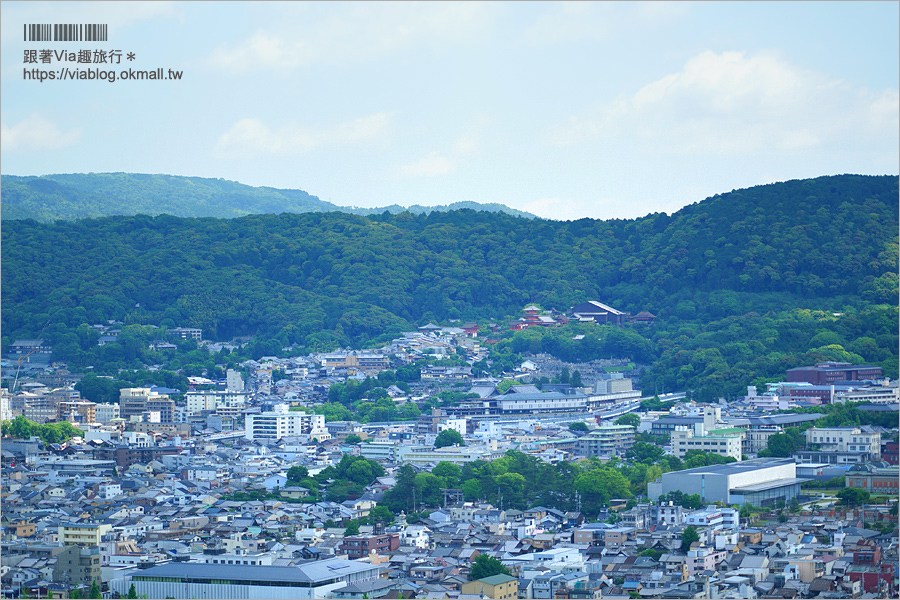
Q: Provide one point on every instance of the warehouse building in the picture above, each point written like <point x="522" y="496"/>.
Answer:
<point x="316" y="579"/>
<point x="760" y="482"/>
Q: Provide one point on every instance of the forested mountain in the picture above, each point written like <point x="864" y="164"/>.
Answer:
<point x="82" y="195"/>
<point x="743" y="283"/>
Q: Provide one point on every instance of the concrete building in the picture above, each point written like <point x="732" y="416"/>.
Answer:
<point x="709" y="417"/>
<point x="82" y="534"/>
<point x="609" y="440"/>
<point x="724" y="442"/>
<point x="281" y="423"/>
<point x="827" y="373"/>
<point x="361" y="546"/>
<point x="845" y="439"/>
<point x="78" y="565"/>
<point x="142" y="402"/>
<point x="760" y="481"/>
<point x="104" y="413"/>
<point x="233" y="381"/>
<point x="223" y="402"/>
<point x="551" y="402"/>
<point x="715" y="517"/>
<point x="76" y="411"/>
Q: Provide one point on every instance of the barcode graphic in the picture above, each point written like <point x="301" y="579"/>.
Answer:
<point x="65" y="32"/>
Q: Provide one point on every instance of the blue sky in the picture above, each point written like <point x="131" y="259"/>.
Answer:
<point x="566" y="110"/>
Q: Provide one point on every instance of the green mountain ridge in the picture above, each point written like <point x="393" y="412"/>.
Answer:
<point x="744" y="284"/>
<point x="85" y="195"/>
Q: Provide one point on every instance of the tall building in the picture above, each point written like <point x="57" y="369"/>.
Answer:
<point x="281" y="423"/>
<point x="609" y="440"/>
<point x="142" y="401"/>
<point x="233" y="381"/>
<point x="724" y="442"/>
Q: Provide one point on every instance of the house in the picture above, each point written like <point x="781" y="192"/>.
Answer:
<point x="496" y="587"/>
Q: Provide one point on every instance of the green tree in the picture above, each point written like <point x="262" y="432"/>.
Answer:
<point x="381" y="514"/>
<point x="353" y="439"/>
<point x="578" y="427"/>
<point x="644" y="452"/>
<point x="297" y="473"/>
<point x="853" y="496"/>
<point x="132" y="593"/>
<point x="485" y="565"/>
<point x="629" y="419"/>
<point x="448" y="472"/>
<point x="575" y="380"/>
<point x="352" y="528"/>
<point x="782" y="445"/>
<point x="94" y="592"/>
<point x="505" y="385"/>
<point x="448" y="437"/>
<point x="688" y="537"/>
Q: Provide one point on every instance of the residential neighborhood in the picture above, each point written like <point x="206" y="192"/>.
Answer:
<point x="165" y="494"/>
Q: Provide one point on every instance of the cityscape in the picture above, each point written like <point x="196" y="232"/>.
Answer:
<point x="152" y="495"/>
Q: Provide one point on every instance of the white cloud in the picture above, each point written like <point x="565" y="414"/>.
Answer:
<point x="471" y="141"/>
<point x="431" y="165"/>
<point x="732" y="103"/>
<point x="251" y="137"/>
<point x="564" y="22"/>
<point x="358" y="33"/>
<point x="36" y="133"/>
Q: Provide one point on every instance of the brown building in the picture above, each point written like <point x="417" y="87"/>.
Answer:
<point x="125" y="456"/>
<point x="360" y="546"/>
<point x="877" y="478"/>
<point x="141" y="401"/>
<point x="76" y="411"/>
<point x="827" y="373"/>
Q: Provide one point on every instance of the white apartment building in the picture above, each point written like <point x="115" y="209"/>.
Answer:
<point x="108" y="490"/>
<point x="703" y="559"/>
<point x="541" y="403"/>
<point x="456" y="424"/>
<point x="5" y="411"/>
<point x="233" y="381"/>
<point x="725" y="442"/>
<point x="104" y="413"/>
<point x="844" y="439"/>
<point x="458" y="455"/>
<point x="715" y="517"/>
<point x="281" y="423"/>
<point x="215" y="400"/>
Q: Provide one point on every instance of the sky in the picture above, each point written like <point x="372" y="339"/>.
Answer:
<point x="565" y="110"/>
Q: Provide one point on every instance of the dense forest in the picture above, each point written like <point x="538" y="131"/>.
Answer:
<point x="81" y="195"/>
<point x="744" y="284"/>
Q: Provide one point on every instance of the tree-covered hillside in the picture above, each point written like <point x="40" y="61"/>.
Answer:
<point x="83" y="195"/>
<point x="320" y="279"/>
